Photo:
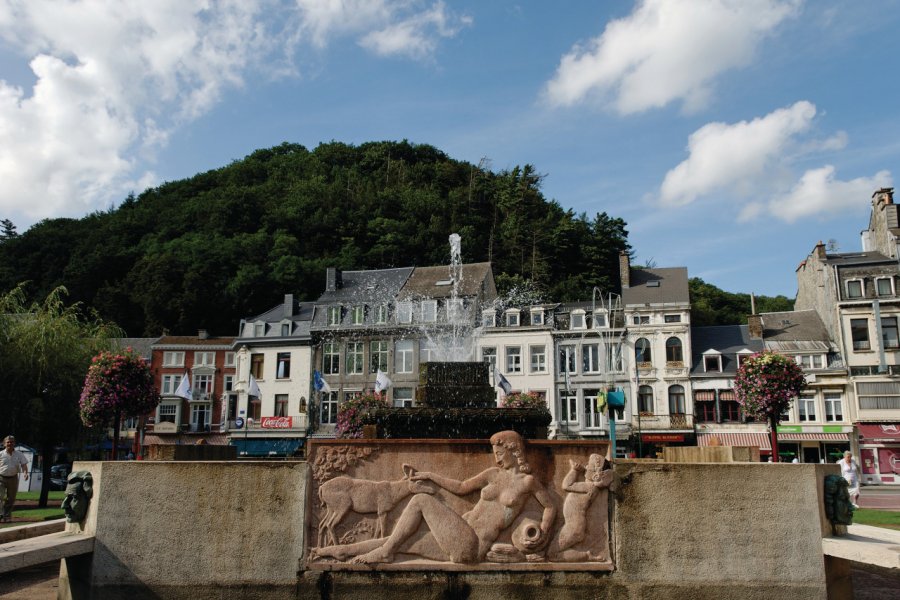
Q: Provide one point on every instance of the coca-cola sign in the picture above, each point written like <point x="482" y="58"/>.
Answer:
<point x="276" y="422"/>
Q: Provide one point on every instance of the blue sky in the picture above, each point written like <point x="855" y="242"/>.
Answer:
<point x="731" y="135"/>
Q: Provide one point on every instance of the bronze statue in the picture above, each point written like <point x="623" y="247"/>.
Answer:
<point x="79" y="490"/>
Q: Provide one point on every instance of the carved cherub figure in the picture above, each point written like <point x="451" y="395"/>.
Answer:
<point x="577" y="502"/>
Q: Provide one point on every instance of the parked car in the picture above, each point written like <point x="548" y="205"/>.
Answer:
<point x="59" y="475"/>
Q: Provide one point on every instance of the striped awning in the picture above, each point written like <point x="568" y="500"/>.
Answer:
<point x="727" y="395"/>
<point x="813" y="437"/>
<point x="760" y="440"/>
<point x="704" y="395"/>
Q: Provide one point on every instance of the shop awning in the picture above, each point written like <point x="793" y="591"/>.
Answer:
<point x="814" y="437"/>
<point x="874" y="432"/>
<point x="760" y="440"/>
<point x="704" y="395"/>
<point x="266" y="447"/>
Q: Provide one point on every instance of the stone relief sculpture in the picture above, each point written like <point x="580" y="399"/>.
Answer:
<point x="496" y="529"/>
<point x="79" y="491"/>
<point x="838" y="508"/>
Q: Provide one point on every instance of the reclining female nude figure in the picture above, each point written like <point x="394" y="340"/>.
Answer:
<point x="460" y="539"/>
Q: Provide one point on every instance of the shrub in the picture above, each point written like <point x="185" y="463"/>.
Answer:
<point x="351" y="412"/>
<point x="523" y="400"/>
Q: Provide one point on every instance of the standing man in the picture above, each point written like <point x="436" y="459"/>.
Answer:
<point x="11" y="460"/>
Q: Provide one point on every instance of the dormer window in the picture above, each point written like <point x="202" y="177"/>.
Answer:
<point x="334" y="315"/>
<point x="455" y="310"/>
<point x="742" y="356"/>
<point x="404" y="312"/>
<point x="537" y="316"/>
<point x="357" y="315"/>
<point x="577" y="320"/>
<point x="429" y="311"/>
<point x="854" y="288"/>
<point x="810" y="361"/>
<point x="884" y="286"/>
<point x="712" y="363"/>
<point x="512" y="318"/>
<point x="285" y="329"/>
<point x="641" y="319"/>
<point x="488" y="318"/>
<point x="259" y="329"/>
<point x="599" y="320"/>
<point x="381" y="313"/>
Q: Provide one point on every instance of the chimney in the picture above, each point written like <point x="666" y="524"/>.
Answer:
<point x="288" y="305"/>
<point x="819" y="250"/>
<point x="883" y="196"/>
<point x="625" y="269"/>
<point x="332" y="279"/>
<point x="755" y="327"/>
<point x="202" y="334"/>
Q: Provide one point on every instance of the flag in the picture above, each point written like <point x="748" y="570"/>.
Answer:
<point x="381" y="382"/>
<point x="184" y="388"/>
<point x="502" y="382"/>
<point x="601" y="401"/>
<point x="320" y="384"/>
<point x="254" y="388"/>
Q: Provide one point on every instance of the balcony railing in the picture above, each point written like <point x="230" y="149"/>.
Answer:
<point x="676" y="421"/>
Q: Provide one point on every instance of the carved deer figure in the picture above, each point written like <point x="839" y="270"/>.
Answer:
<point x="343" y="494"/>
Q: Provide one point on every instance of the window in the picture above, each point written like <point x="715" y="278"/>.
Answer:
<point x="200" y="417"/>
<point x="334" y="315"/>
<point x="642" y="351"/>
<point x="590" y="358"/>
<point x="712" y="363"/>
<point x="538" y="358"/>
<point x="884" y="286"/>
<point x="357" y="315"/>
<point x="806" y="405"/>
<point x="328" y="409"/>
<point x="354" y="358"/>
<point x="331" y="358"/>
<point x="673" y="350"/>
<point x="645" y="400"/>
<point x="403" y="397"/>
<point x="512" y="318"/>
<point x="854" y="288"/>
<point x="889" y="335"/>
<point x="741" y="357"/>
<point x="378" y="355"/>
<point x="255" y="409"/>
<point x="672" y="318"/>
<point x="456" y="312"/>
<point x="257" y="362"/>
<point x="487" y="318"/>
<point x="167" y="413"/>
<point x="705" y="406"/>
<point x="204" y="359"/>
<point x="489" y="355"/>
<point x="381" y="313"/>
<point x="834" y="407"/>
<point x="513" y="359"/>
<point x="229" y="359"/>
<point x="301" y="408"/>
<point x="614" y="358"/>
<point x="170" y="383"/>
<point x="259" y="329"/>
<point x="281" y="405"/>
<point x="878" y="395"/>
<point x="730" y="410"/>
<point x="537" y="316"/>
<point x="428" y="311"/>
<point x="228" y="383"/>
<point x="641" y="320"/>
<point x="203" y="384"/>
<point x="568" y="406"/>
<point x="676" y="400"/>
<point x="567" y="359"/>
<point x="285" y="329"/>
<point x="577" y="320"/>
<point x="404" y="312"/>
<point x="810" y="361"/>
<point x="599" y="320"/>
<point x="283" y="370"/>
<point x="173" y="359"/>
<point x="403" y="356"/>
<point x="427" y="350"/>
<point x="859" y="333"/>
<point x="591" y="414"/>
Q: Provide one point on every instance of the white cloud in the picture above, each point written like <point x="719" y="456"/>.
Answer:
<point x="115" y="78"/>
<point x="735" y="157"/>
<point x="666" y="51"/>
<point x="819" y="193"/>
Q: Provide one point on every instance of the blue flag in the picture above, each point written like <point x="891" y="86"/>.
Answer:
<point x="502" y="382"/>
<point x="320" y="384"/>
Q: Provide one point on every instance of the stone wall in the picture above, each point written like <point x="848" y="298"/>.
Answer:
<point x="236" y="530"/>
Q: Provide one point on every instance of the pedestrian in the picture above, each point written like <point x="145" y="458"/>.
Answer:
<point x="850" y="471"/>
<point x="11" y="460"/>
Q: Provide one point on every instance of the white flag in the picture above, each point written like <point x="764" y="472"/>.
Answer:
<point x="381" y="382"/>
<point x="254" y="388"/>
<point x="502" y="382"/>
<point x="184" y="388"/>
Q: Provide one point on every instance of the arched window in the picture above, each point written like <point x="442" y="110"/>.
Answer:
<point x="676" y="399"/>
<point x="645" y="399"/>
<point x="673" y="350"/>
<point x="642" y="350"/>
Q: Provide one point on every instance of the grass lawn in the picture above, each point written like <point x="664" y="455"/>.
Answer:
<point x="55" y="496"/>
<point x="26" y="510"/>
<point x="877" y="518"/>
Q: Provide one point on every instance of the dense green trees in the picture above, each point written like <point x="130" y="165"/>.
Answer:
<point x="712" y="306"/>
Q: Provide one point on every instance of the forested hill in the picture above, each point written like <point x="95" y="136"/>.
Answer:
<point x="206" y="251"/>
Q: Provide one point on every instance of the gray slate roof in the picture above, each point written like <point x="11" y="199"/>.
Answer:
<point x="856" y="258"/>
<point x="423" y="283"/>
<point x="657" y="286"/>
<point x="373" y="286"/>
<point x="795" y="331"/>
<point x="143" y="346"/>
<point x="727" y="340"/>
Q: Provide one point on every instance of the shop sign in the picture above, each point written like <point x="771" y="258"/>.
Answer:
<point x="165" y="427"/>
<point x="790" y="429"/>
<point x="663" y="437"/>
<point x="276" y="422"/>
<point x="832" y="429"/>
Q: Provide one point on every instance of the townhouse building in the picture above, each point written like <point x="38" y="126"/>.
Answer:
<point x="209" y="364"/>
<point x="271" y="417"/>
<point x="856" y="296"/>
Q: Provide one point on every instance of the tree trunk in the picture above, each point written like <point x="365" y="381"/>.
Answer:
<point x="773" y="433"/>
<point x="116" y="425"/>
<point x="46" y="458"/>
